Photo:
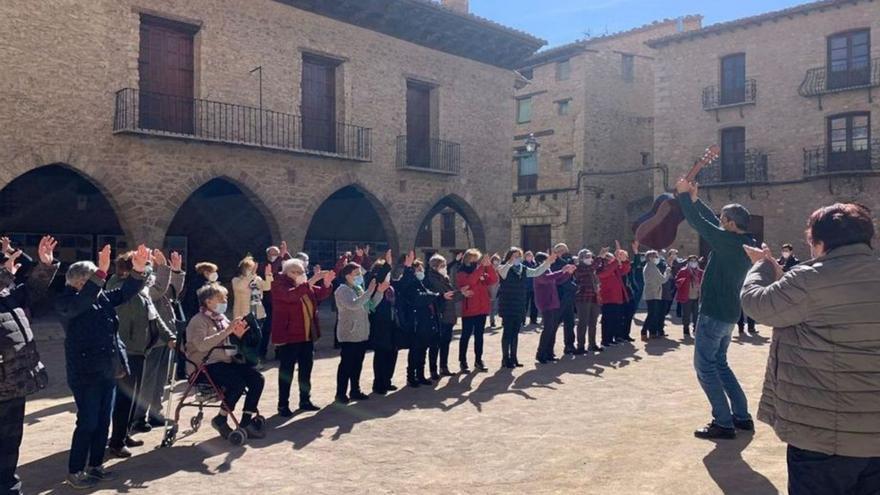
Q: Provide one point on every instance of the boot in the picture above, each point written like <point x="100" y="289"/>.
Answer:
<point x="411" y="378"/>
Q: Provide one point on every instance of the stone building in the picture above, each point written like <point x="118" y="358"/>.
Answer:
<point x="217" y="127"/>
<point x="590" y="106"/>
<point x="791" y="98"/>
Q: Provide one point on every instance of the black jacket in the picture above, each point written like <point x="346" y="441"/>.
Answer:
<point x="568" y="289"/>
<point x="788" y="264"/>
<point x="436" y="282"/>
<point x="92" y="345"/>
<point x="419" y="305"/>
<point x="513" y="293"/>
<point x="190" y="300"/>
<point x="21" y="372"/>
<point x="383" y="318"/>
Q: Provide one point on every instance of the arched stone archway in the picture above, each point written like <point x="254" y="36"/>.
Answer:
<point x="350" y="216"/>
<point x="460" y="206"/>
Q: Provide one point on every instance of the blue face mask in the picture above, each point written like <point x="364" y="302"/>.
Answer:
<point x="420" y="275"/>
<point x="517" y="262"/>
<point x="220" y="308"/>
<point x="359" y="280"/>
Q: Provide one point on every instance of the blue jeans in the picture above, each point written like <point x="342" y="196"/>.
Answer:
<point x="94" y="406"/>
<point x="715" y="376"/>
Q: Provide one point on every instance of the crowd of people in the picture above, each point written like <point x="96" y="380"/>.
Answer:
<point x="121" y="330"/>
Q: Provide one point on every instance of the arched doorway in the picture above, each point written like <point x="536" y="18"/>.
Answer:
<point x="348" y="218"/>
<point x="219" y="222"/>
<point x="450" y="225"/>
<point x="58" y="200"/>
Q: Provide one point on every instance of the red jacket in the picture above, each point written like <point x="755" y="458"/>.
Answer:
<point x="683" y="283"/>
<point x="611" y="287"/>
<point x="288" y="310"/>
<point x="478" y="281"/>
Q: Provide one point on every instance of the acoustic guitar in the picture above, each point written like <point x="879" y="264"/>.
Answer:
<point x="658" y="228"/>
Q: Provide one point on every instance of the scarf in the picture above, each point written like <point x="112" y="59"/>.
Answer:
<point x="221" y="323"/>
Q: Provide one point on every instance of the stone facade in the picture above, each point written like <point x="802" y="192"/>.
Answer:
<point x="779" y="50"/>
<point x="593" y="161"/>
<point x="63" y="61"/>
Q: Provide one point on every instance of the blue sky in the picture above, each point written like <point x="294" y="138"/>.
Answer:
<point x="563" y="21"/>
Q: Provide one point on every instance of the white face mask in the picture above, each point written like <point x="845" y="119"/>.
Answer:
<point x="420" y="275"/>
<point x="299" y="279"/>
<point x="656" y="261"/>
<point x="786" y="254"/>
<point x="272" y="258"/>
<point x="212" y="277"/>
<point x="219" y="308"/>
<point x="442" y="271"/>
<point x="693" y="264"/>
<point x="588" y="261"/>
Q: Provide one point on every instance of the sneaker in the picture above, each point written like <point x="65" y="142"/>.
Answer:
<point x="81" y="481"/>
<point x="141" y="427"/>
<point x="131" y="442"/>
<point x="568" y="350"/>
<point x="516" y="364"/>
<point x="413" y="383"/>
<point x="308" y="406"/>
<point x="464" y="368"/>
<point x="392" y="388"/>
<point x="713" y="431"/>
<point x="445" y="372"/>
<point x="425" y="381"/>
<point x="380" y="391"/>
<point x="120" y="452"/>
<point x="359" y="396"/>
<point x="744" y="424"/>
<point x="630" y="339"/>
<point x="435" y="376"/>
<point x="254" y="432"/>
<point x="220" y="424"/>
<point x="479" y="366"/>
<point x="285" y="412"/>
<point x="100" y="474"/>
<point x="753" y="331"/>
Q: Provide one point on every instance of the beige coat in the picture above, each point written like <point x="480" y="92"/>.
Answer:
<point x="202" y="335"/>
<point x="822" y="384"/>
<point x="241" y="295"/>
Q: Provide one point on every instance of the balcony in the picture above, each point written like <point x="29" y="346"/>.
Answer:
<point x="139" y="112"/>
<point x="820" y="80"/>
<point x="749" y="167"/>
<point x="821" y="161"/>
<point x="716" y="97"/>
<point x="432" y="155"/>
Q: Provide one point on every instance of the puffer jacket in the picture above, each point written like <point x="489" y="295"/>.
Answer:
<point x="822" y="384"/>
<point x="21" y="372"/>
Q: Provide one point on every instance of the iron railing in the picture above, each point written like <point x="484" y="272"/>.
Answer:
<point x="435" y="155"/>
<point x="715" y="96"/>
<point x="822" y="80"/>
<point x="820" y="160"/>
<point x="749" y="167"/>
<point x="204" y="120"/>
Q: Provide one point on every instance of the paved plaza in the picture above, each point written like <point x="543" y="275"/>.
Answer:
<point x="617" y="423"/>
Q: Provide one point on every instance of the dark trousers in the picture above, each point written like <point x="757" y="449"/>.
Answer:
<point x="351" y="362"/>
<point x="129" y="403"/>
<point x="667" y="306"/>
<point x="629" y="313"/>
<point x="547" y="341"/>
<point x="290" y="356"/>
<point x="814" y="473"/>
<point x="471" y="325"/>
<point x="588" y="316"/>
<point x="743" y="319"/>
<point x="415" y="359"/>
<point x="94" y="405"/>
<point x="440" y="347"/>
<point x="566" y="318"/>
<point x="612" y="322"/>
<point x="689" y="312"/>
<point x="155" y="376"/>
<point x="531" y="309"/>
<point x="236" y="379"/>
<point x="11" y="431"/>
<point x="384" y="361"/>
<point x="656" y="318"/>
<point x="510" y="339"/>
<point x="266" y="336"/>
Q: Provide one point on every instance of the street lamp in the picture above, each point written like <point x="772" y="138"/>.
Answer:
<point x="531" y="143"/>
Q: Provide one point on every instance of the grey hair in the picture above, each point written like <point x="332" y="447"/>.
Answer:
<point x="559" y="246"/>
<point x="436" y="261"/>
<point x="288" y="264"/>
<point x="650" y="253"/>
<point x="304" y="257"/>
<point x="738" y="214"/>
<point x="583" y="253"/>
<point x="272" y="248"/>
<point x="208" y="291"/>
<point x="79" y="272"/>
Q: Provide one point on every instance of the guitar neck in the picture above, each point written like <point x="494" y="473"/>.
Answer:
<point x="696" y="170"/>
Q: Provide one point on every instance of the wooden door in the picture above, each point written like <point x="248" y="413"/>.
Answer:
<point x="733" y="153"/>
<point x="733" y="79"/>
<point x="418" y="125"/>
<point x="319" y="104"/>
<point x="165" y="67"/>
<point x="535" y="238"/>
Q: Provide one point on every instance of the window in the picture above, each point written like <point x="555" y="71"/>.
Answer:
<point x="627" y="67"/>
<point x="535" y="238"/>
<point x="318" y="103"/>
<point x="166" y="73"/>
<point x="563" y="106"/>
<point x="563" y="70"/>
<point x="418" y="124"/>
<point x="566" y="163"/>
<point x="447" y="229"/>
<point x="733" y="79"/>
<point x="523" y="110"/>
<point x="849" y="59"/>
<point x="527" y="170"/>
<point x="425" y="237"/>
<point x="733" y="154"/>
<point x="849" y="145"/>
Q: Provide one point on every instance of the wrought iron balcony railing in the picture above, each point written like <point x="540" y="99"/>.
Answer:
<point x="715" y="97"/>
<point x="822" y="80"/>
<point x="820" y="160"/>
<point x="749" y="167"/>
<point x="433" y="155"/>
<point x="143" y="112"/>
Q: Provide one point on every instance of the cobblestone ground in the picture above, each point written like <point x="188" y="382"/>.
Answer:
<point x="616" y="423"/>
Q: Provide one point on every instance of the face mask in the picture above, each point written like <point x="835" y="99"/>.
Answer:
<point x="693" y="264"/>
<point x="443" y="272"/>
<point x="359" y="280"/>
<point x="517" y="262"/>
<point x="656" y="261"/>
<point x="786" y="254"/>
<point x="299" y="279"/>
<point x="249" y="273"/>
<point x="212" y="277"/>
<point x="420" y="275"/>
<point x="219" y="308"/>
<point x="588" y="261"/>
<point x="273" y="258"/>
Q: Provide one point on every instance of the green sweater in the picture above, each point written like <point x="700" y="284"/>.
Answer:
<point x="728" y="263"/>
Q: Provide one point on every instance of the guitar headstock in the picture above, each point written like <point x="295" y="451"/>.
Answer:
<point x="711" y="154"/>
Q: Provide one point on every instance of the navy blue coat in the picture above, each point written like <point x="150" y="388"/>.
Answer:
<point x="92" y="345"/>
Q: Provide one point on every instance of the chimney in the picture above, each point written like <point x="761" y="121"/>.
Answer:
<point x="460" y="6"/>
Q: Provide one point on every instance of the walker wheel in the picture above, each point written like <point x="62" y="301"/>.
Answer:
<point x="196" y="421"/>
<point x="237" y="437"/>
<point x="170" y="437"/>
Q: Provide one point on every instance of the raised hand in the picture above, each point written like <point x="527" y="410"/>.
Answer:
<point x="10" y="264"/>
<point x="283" y="249"/>
<point x="384" y="285"/>
<point x="159" y="257"/>
<point x="616" y="246"/>
<point x="46" y="249"/>
<point x="104" y="259"/>
<point x="359" y="252"/>
<point x="176" y="261"/>
<point x="328" y="277"/>
<point x="569" y="268"/>
<point x="682" y="186"/>
<point x="371" y="286"/>
<point x="552" y="257"/>
<point x="410" y="258"/>
<point x="485" y="261"/>
<point x="239" y="327"/>
<point x="635" y="246"/>
<point x="267" y="273"/>
<point x="367" y="249"/>
<point x="6" y="245"/>
<point x="139" y="259"/>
